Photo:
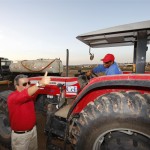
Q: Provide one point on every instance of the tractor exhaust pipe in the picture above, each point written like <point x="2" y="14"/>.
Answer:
<point x="67" y="62"/>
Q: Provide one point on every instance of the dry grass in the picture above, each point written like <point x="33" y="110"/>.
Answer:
<point x="74" y="70"/>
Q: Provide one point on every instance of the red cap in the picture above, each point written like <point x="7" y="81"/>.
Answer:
<point x="108" y="57"/>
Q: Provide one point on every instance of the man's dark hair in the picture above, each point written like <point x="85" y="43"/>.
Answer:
<point x="16" y="79"/>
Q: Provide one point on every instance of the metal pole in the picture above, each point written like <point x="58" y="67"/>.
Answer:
<point x="134" y="57"/>
<point x="67" y="62"/>
<point x="141" y="51"/>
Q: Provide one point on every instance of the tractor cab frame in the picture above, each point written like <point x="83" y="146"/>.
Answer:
<point x="136" y="34"/>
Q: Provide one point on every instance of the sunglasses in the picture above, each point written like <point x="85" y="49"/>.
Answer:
<point x="26" y="83"/>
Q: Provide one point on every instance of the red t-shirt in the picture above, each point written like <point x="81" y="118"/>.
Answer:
<point x="21" y="111"/>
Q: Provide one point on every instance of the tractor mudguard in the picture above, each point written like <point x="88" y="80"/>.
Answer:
<point x="106" y="84"/>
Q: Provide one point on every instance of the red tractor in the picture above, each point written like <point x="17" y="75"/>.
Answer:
<point x="106" y="112"/>
<point x="110" y="112"/>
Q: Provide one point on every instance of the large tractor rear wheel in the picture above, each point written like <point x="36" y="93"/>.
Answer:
<point x="5" y="130"/>
<point x="114" y="121"/>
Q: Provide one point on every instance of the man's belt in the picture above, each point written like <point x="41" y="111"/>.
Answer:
<point x="22" y="132"/>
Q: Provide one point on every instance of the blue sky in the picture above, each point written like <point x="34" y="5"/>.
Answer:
<point x="33" y="29"/>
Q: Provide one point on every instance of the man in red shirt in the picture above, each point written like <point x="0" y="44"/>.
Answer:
<point x="22" y="113"/>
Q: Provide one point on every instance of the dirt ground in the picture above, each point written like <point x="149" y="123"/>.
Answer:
<point x="41" y="118"/>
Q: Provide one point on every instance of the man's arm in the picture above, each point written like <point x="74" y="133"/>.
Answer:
<point x="100" y="68"/>
<point x="44" y="81"/>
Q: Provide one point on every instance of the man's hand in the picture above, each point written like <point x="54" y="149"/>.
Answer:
<point x="45" y="80"/>
<point x="88" y="73"/>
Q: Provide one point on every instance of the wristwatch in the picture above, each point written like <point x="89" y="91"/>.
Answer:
<point x="37" y="84"/>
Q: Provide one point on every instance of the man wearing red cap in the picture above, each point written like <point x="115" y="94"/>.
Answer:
<point x="109" y="66"/>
